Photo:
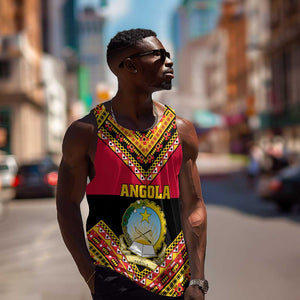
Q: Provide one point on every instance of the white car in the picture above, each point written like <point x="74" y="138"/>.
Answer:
<point x="8" y="170"/>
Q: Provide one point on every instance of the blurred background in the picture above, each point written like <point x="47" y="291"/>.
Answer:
<point x="237" y="70"/>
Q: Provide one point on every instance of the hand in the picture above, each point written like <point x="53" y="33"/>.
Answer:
<point x="193" y="293"/>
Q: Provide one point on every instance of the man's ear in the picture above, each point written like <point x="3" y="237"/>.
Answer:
<point x="129" y="65"/>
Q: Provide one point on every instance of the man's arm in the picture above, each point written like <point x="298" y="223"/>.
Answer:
<point x="193" y="211"/>
<point x="72" y="179"/>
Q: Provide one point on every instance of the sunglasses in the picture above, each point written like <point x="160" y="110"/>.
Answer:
<point x="157" y="52"/>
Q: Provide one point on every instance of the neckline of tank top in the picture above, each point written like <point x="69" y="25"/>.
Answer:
<point x="147" y="130"/>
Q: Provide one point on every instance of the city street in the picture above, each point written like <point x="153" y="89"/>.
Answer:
<point x="252" y="251"/>
<point x="231" y="68"/>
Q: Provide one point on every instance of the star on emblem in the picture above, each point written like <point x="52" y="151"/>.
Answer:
<point x="145" y="216"/>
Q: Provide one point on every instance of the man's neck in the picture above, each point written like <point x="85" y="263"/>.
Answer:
<point x="133" y="106"/>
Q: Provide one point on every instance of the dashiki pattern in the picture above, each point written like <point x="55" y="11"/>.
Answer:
<point x="134" y="221"/>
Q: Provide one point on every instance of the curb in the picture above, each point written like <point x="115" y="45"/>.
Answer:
<point x="219" y="164"/>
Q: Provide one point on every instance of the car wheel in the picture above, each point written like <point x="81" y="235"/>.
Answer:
<point x="284" y="207"/>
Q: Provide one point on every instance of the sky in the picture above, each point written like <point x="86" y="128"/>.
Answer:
<point x="127" y="14"/>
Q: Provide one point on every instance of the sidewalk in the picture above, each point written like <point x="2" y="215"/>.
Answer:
<point x="5" y="196"/>
<point x="220" y="164"/>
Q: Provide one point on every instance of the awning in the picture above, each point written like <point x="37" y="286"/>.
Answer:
<point x="208" y="119"/>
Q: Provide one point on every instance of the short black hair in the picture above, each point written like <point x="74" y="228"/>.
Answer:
<point x="126" y="39"/>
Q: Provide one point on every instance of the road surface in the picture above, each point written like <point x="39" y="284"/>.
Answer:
<point x="253" y="252"/>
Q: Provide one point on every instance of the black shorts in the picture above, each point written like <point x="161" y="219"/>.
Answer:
<point x="110" y="285"/>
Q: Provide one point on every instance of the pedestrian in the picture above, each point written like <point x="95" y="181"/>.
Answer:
<point x="254" y="166"/>
<point x="146" y="228"/>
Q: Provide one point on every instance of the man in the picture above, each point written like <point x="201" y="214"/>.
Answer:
<point x="139" y="159"/>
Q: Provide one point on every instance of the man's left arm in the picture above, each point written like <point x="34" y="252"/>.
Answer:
<point x="193" y="211"/>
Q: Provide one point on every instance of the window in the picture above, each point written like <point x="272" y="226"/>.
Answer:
<point x="5" y="69"/>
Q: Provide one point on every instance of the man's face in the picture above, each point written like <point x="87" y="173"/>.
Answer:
<point x="153" y="71"/>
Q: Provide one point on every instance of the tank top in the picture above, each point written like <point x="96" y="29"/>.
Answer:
<point x="134" y="223"/>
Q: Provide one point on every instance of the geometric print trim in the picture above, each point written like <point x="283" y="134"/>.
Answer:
<point x="146" y="177"/>
<point x="168" y="279"/>
<point x="145" y="153"/>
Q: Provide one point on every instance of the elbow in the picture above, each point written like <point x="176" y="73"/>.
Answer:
<point x="198" y="220"/>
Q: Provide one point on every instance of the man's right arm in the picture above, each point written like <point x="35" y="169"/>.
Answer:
<point x="72" y="179"/>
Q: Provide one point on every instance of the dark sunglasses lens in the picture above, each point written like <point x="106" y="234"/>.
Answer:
<point x="162" y="55"/>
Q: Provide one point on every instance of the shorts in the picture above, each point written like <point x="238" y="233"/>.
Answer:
<point x="110" y="285"/>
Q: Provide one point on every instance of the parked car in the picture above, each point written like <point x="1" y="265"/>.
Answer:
<point x="283" y="189"/>
<point x="8" y="169"/>
<point x="37" y="179"/>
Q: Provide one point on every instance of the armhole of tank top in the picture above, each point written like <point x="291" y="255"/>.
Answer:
<point x="173" y="111"/>
<point x="89" y="181"/>
<point x="95" y="157"/>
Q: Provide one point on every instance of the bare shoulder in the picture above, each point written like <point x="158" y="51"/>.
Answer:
<point x="80" y="137"/>
<point x="82" y="128"/>
<point x="188" y="138"/>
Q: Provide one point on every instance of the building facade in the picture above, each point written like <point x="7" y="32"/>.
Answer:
<point x="202" y="72"/>
<point x="201" y="51"/>
<point x="53" y="24"/>
<point x="258" y="36"/>
<point x="22" y="105"/>
<point x="53" y="74"/>
<point x="282" y="116"/>
<point x="91" y="54"/>
<point x="194" y="19"/>
<point x="60" y="41"/>
<point x="202" y="85"/>
<point x="233" y="22"/>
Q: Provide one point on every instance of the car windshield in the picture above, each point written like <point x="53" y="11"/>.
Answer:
<point x="30" y="169"/>
<point x="37" y="168"/>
